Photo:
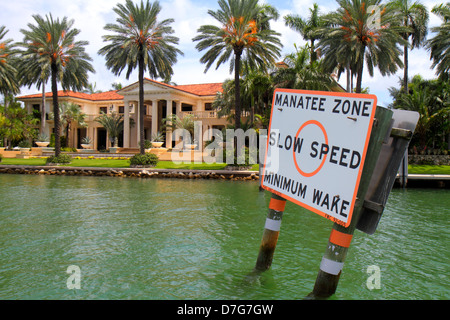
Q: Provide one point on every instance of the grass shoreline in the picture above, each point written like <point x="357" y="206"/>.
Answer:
<point x="118" y="163"/>
<point x="124" y="163"/>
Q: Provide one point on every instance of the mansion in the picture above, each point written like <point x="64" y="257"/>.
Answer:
<point x="160" y="101"/>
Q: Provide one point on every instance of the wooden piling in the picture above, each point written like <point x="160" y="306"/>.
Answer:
<point x="340" y="238"/>
<point x="271" y="233"/>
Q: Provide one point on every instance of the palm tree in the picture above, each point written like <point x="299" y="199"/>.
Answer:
<point x="353" y="40"/>
<point x="258" y="89"/>
<point x="8" y="72"/>
<point x="92" y="88"/>
<point x="300" y="73"/>
<point x="439" y="44"/>
<point x="140" y="40"/>
<point x="415" y="18"/>
<point x="307" y="27"/>
<point x="240" y="33"/>
<point x="187" y="123"/>
<point x="116" y="86"/>
<point x="113" y="123"/>
<point x="8" y="79"/>
<point x="50" y="46"/>
<point x="71" y="114"/>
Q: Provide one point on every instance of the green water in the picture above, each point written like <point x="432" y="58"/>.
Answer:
<point x="186" y="239"/>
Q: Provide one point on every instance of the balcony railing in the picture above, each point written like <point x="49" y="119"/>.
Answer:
<point x="201" y="114"/>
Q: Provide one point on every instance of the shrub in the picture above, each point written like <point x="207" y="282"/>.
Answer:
<point x="242" y="161"/>
<point x="24" y="144"/>
<point x="42" y="138"/>
<point x="1" y="157"/>
<point x="62" y="158"/>
<point x="147" y="144"/>
<point x="148" y="159"/>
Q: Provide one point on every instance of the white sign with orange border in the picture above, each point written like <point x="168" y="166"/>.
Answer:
<point x="316" y="147"/>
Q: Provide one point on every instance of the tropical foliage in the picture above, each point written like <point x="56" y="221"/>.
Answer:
<point x="308" y="27"/>
<point x="358" y="37"/>
<point x="414" y="16"/>
<point x="440" y="44"/>
<point x="113" y="123"/>
<point x="8" y="78"/>
<point x="139" y="40"/>
<point x="431" y="99"/>
<point x="16" y="124"/>
<point x="354" y="41"/>
<point x="301" y="72"/>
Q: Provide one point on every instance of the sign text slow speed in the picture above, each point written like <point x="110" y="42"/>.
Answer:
<point x="316" y="148"/>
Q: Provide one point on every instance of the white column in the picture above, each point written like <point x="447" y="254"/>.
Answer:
<point x="126" y="124"/>
<point x="154" y="116"/>
<point x="169" y="130"/>
<point x="178" y="104"/>
<point x="137" y="111"/>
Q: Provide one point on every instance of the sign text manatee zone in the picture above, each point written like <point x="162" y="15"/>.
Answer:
<point x="316" y="147"/>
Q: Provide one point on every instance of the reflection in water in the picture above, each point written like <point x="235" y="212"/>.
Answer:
<point x="199" y="239"/>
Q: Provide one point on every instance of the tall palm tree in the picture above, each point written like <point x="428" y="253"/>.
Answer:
<point x="353" y="36"/>
<point x="415" y="18"/>
<point x="8" y="79"/>
<point x="439" y="44"/>
<point x="50" y="46"/>
<point x="239" y="33"/>
<point x="140" y="41"/>
<point x="307" y="27"/>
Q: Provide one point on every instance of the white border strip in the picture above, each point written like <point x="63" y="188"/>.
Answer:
<point x="330" y="266"/>
<point x="273" y="225"/>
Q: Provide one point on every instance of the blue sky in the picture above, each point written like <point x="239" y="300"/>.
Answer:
<point x="91" y="16"/>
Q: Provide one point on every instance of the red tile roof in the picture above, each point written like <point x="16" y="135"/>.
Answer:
<point x="205" y="89"/>
<point x="103" y="96"/>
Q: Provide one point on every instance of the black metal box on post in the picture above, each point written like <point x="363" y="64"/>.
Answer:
<point x="383" y="178"/>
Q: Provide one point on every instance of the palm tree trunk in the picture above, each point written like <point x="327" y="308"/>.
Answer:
<point x="405" y="69"/>
<point x="5" y="139"/>
<point x="359" y="77"/>
<point x="141" y="103"/>
<point x="348" y="74"/>
<point x="56" y="110"/>
<point x="359" y="71"/>
<point x="237" y="88"/>
<point x="43" y="109"/>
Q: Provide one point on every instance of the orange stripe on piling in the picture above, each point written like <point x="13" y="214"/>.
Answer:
<point x="277" y="205"/>
<point x="340" y="238"/>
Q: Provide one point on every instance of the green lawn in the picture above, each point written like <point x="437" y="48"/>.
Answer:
<point x="427" y="169"/>
<point x="118" y="163"/>
<point x="122" y="163"/>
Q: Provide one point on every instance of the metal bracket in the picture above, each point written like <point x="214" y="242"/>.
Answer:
<point x="373" y="206"/>
<point x="401" y="133"/>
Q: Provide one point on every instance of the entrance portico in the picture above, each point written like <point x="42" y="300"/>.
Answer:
<point x="161" y="101"/>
